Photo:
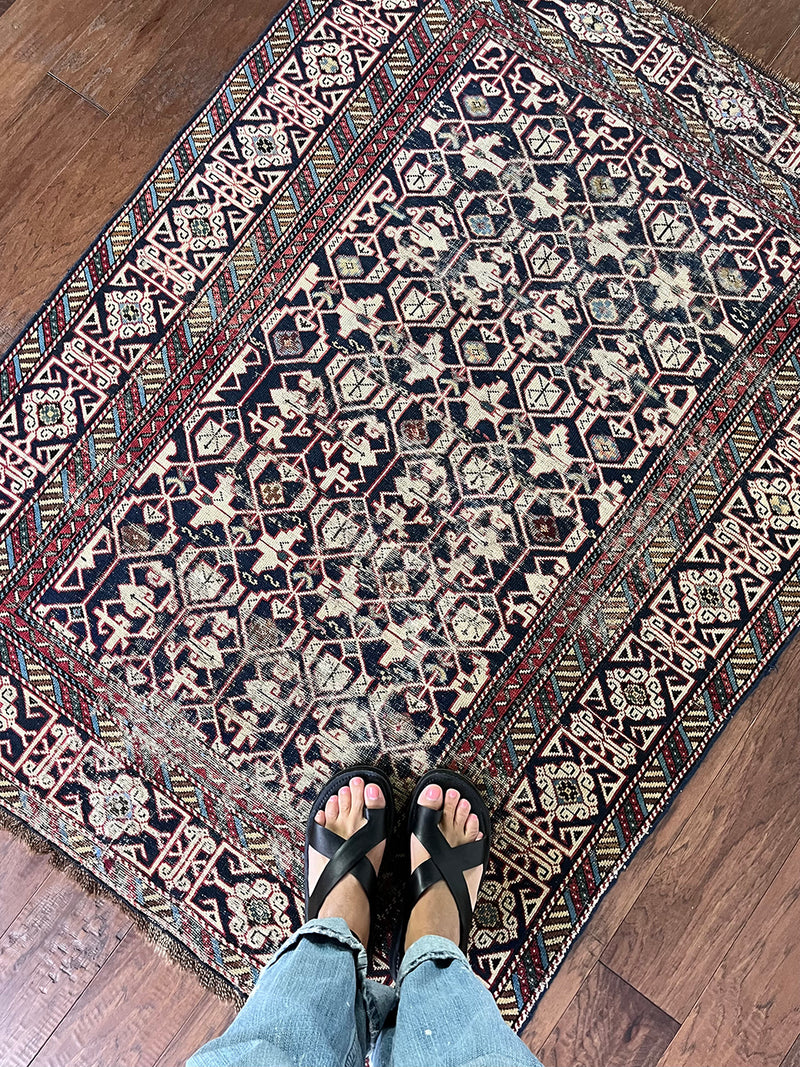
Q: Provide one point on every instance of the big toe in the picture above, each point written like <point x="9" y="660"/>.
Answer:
<point x="373" y="795"/>
<point x="431" y="797"/>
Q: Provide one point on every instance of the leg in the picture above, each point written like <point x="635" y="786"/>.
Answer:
<point x="445" y="1014"/>
<point x="311" y="1005"/>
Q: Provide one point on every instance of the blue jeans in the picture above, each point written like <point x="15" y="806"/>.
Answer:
<point x="314" y="1005"/>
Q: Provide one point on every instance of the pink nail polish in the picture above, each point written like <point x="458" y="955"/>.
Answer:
<point x="432" y="792"/>
<point x="372" y="792"/>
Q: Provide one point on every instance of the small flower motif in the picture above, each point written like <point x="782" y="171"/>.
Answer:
<point x="476" y="352"/>
<point x="118" y="806"/>
<point x="777" y="501"/>
<point x="636" y="693"/>
<point x="200" y="226"/>
<point x="477" y="107"/>
<point x="605" y="448"/>
<point x="288" y="343"/>
<point x="481" y="225"/>
<point x="328" y="65"/>
<point x="730" y="280"/>
<point x="730" y="108"/>
<point x="49" y="414"/>
<point x="265" y="145"/>
<point x="129" y="313"/>
<point x="709" y="597"/>
<point x="602" y="187"/>
<point x="349" y="267"/>
<point x="258" y="913"/>
<point x="415" y="431"/>
<point x="603" y="309"/>
<point x="567" y="791"/>
<point x="594" y="23"/>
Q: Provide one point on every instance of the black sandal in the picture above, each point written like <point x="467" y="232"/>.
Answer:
<point x="347" y="855"/>
<point x="446" y="863"/>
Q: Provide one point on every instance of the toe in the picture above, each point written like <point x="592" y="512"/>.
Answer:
<point x="357" y="795"/>
<point x="431" y="797"/>
<point x="451" y="799"/>
<point x="462" y="813"/>
<point x="345" y="800"/>
<point x="374" y="796"/>
<point x="332" y="808"/>
<point x="473" y="826"/>
<point x="320" y="818"/>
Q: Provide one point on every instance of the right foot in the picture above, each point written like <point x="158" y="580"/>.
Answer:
<point x="436" y="912"/>
<point x="343" y="815"/>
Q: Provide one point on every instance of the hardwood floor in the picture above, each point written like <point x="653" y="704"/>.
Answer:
<point x="692" y="958"/>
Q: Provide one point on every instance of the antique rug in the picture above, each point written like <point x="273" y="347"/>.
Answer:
<point x="436" y="399"/>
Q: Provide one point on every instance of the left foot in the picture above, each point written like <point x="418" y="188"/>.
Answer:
<point x="343" y="815"/>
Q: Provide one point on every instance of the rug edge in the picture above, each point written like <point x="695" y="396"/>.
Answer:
<point x="164" y="943"/>
<point x="765" y="69"/>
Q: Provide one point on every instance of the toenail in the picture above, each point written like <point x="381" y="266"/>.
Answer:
<point x="432" y="792"/>
<point x="463" y="803"/>
<point x="372" y="792"/>
<point x="452" y="794"/>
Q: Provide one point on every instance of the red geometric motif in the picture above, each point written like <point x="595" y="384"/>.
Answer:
<point x="434" y="400"/>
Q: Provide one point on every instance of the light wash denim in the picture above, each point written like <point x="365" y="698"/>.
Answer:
<point x="313" y="1006"/>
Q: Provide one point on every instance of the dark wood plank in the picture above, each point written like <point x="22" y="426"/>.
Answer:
<point x="208" y="1020"/>
<point x="40" y="140"/>
<point x="23" y="873"/>
<point x="33" y="34"/>
<point x="726" y="856"/>
<point x="37" y="248"/>
<point x="760" y="31"/>
<point x="127" y="1015"/>
<point x="749" y="1013"/>
<point x="123" y="42"/>
<point x="792" y="1057"/>
<point x="787" y="61"/>
<point x="48" y="956"/>
<point x="608" y="1024"/>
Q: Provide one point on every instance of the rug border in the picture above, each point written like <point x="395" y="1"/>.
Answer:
<point x="665" y="804"/>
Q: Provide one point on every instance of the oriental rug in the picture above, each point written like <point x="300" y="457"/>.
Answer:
<point x="436" y="399"/>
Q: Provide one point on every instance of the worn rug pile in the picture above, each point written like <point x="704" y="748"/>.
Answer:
<point x="436" y="400"/>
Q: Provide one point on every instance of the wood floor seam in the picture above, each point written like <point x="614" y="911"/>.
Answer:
<point x="72" y="89"/>
<point x="786" y="43"/>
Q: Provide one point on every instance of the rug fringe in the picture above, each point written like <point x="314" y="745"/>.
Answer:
<point x="763" y="68"/>
<point x="164" y="944"/>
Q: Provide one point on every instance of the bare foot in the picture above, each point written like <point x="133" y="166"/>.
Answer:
<point x="435" y="912"/>
<point x="343" y="815"/>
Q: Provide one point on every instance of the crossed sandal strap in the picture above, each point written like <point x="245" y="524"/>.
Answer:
<point x="346" y="856"/>
<point x="447" y="863"/>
